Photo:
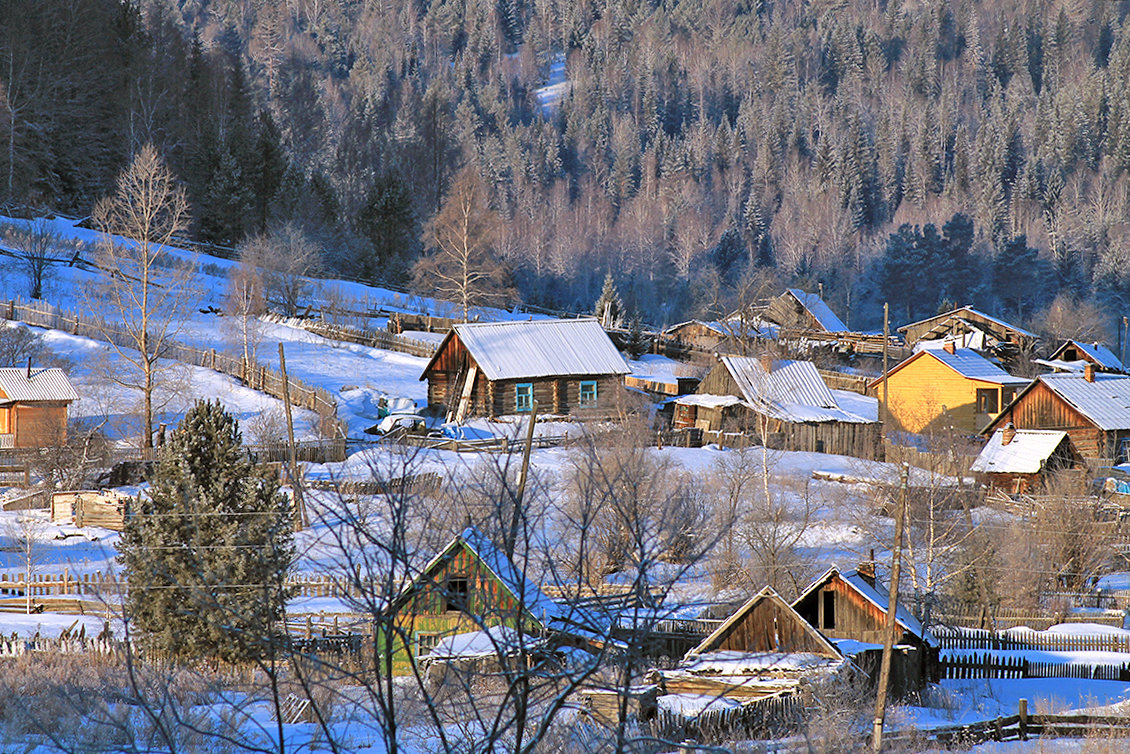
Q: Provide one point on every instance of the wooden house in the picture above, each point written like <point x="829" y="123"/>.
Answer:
<point x="1017" y="461"/>
<point x="501" y="368"/>
<point x="943" y="388"/>
<point x="785" y="403"/>
<point x="1075" y="355"/>
<point x="850" y="609"/>
<point x="968" y="328"/>
<point x="33" y="407"/>
<point x="1093" y="408"/>
<point x="796" y="310"/>
<point x="472" y="585"/>
<point x="735" y="335"/>
<point x="764" y="649"/>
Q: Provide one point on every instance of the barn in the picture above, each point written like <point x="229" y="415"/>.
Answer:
<point x="797" y="310"/>
<point x="787" y="401"/>
<point x="472" y="585"/>
<point x="850" y="609"/>
<point x="1093" y="408"/>
<point x="969" y="328"/>
<point x="33" y="407"/>
<point x="569" y="366"/>
<point x="1018" y="461"/>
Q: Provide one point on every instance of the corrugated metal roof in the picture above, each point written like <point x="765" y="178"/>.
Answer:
<point x="791" y="391"/>
<point x="541" y="348"/>
<point x="820" y="310"/>
<point x="969" y="363"/>
<point x="1026" y="453"/>
<point x="1096" y="352"/>
<point x="1106" y="401"/>
<point x="956" y="314"/>
<point x="45" y="385"/>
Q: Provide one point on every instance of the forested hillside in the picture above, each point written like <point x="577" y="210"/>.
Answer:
<point x="702" y="148"/>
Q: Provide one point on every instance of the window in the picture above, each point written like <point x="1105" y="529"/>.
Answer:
<point x="829" y="609"/>
<point x="988" y="400"/>
<point x="1124" y="450"/>
<point x="588" y="393"/>
<point x="524" y="397"/>
<point x="425" y="643"/>
<point x="455" y="595"/>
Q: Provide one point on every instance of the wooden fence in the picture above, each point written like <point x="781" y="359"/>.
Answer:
<point x="988" y="665"/>
<point x="950" y="638"/>
<point x="760" y="718"/>
<point x="254" y="375"/>
<point x="1019" y="727"/>
<point x="99" y="584"/>
<point x="361" y="336"/>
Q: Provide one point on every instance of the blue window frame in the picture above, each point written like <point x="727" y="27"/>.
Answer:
<point x="524" y="397"/>
<point x="588" y="393"/>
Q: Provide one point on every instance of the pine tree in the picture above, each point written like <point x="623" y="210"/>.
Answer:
<point x="206" y="555"/>
<point x="609" y="309"/>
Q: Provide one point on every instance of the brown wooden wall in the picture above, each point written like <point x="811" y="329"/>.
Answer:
<point x="770" y="627"/>
<point x="697" y="335"/>
<point x="855" y="618"/>
<point x="39" y="425"/>
<point x="1041" y="408"/>
<point x="718" y="381"/>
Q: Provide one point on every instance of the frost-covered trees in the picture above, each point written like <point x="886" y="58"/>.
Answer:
<point x="206" y="554"/>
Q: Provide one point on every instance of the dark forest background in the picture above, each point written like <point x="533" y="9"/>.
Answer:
<point x="706" y="151"/>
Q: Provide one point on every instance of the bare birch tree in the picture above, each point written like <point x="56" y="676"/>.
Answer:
<point x="33" y="245"/>
<point x="245" y="301"/>
<point x="146" y="287"/>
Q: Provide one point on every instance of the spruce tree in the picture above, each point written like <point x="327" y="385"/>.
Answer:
<point x="609" y="309"/>
<point x="206" y="554"/>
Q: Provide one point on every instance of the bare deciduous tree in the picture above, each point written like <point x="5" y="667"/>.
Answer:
<point x="34" y="245"/>
<point x="147" y="286"/>
<point x="285" y="256"/>
<point x="245" y="300"/>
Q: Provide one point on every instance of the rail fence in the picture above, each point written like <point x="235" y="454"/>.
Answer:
<point x="1019" y="727"/>
<point x="362" y="336"/>
<point x="254" y="375"/>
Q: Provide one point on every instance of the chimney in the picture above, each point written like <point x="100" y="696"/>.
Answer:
<point x="1008" y="434"/>
<point x="866" y="569"/>
<point x="767" y="361"/>
<point x="949" y="347"/>
<point x="1088" y="372"/>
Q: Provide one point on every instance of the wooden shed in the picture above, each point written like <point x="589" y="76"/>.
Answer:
<point x="1093" y="408"/>
<point x="851" y="606"/>
<point x="940" y="388"/>
<point x="970" y="328"/>
<point x="1018" y="461"/>
<point x="797" y="310"/>
<point x="501" y="368"/>
<point x="33" y="407"/>
<point x="1075" y="355"/>
<point x="472" y="585"/>
<point x="787" y="402"/>
<point x="766" y="623"/>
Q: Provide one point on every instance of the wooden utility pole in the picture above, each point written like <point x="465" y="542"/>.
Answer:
<point x="516" y="513"/>
<point x="892" y="608"/>
<point x="886" y="342"/>
<point x="300" y="520"/>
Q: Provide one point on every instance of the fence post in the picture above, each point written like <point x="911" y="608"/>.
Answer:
<point x="1022" y="713"/>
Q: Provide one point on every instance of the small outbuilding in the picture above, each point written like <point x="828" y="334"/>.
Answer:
<point x="797" y="310"/>
<point x="1075" y="355"/>
<point x="1017" y="461"/>
<point x="33" y="407"/>
<point x="969" y="328"/>
<point x="500" y="368"/>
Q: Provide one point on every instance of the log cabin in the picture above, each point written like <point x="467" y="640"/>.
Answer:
<point x="1093" y="408"/>
<point x="850" y="609"/>
<point x="796" y="310"/>
<point x="33" y="407"/>
<point x="472" y="585"/>
<point x="500" y="368"/>
<point x="785" y="404"/>
<point x="1018" y="461"/>
<point x="1075" y="355"/>
<point x="945" y="388"/>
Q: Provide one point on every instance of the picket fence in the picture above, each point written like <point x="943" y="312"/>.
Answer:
<point x="761" y="718"/>
<point x="105" y="585"/>
<point x="951" y="638"/>
<point x="252" y="374"/>
<point x="994" y="667"/>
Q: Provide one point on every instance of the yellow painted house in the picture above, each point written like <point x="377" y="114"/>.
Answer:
<point x="938" y="388"/>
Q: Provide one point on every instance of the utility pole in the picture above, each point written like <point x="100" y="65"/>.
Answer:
<point x="886" y="341"/>
<point x="892" y="608"/>
<point x="300" y="520"/>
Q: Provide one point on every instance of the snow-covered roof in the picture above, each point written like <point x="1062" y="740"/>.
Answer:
<point x="43" y="385"/>
<point x="708" y="401"/>
<point x="1026" y="454"/>
<point x="538" y="348"/>
<point x="1105" y="402"/>
<point x="490" y="642"/>
<point x="1096" y="353"/>
<point x="822" y="313"/>
<point x="791" y="391"/>
<point x="956" y="314"/>
<point x="966" y="362"/>
<point x="731" y="663"/>
<point x="876" y="597"/>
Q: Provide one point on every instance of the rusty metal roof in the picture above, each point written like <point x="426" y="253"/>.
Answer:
<point x="44" y="385"/>
<point x="541" y="348"/>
